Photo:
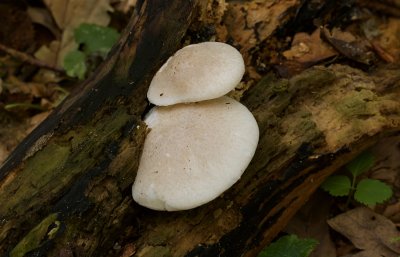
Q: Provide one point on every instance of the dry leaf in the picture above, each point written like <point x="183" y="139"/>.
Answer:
<point x="124" y="6"/>
<point x="70" y="14"/>
<point x="310" y="222"/>
<point x="43" y="17"/>
<point x="368" y="253"/>
<point x="368" y="230"/>
<point x="387" y="160"/>
<point x="16" y="28"/>
<point x="309" y="48"/>
<point x="49" y="54"/>
<point x="348" y="45"/>
<point x="389" y="39"/>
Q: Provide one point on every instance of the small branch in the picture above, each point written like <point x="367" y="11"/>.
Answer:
<point x="29" y="59"/>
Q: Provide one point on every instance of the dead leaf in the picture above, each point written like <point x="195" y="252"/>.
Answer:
<point x="386" y="168"/>
<point x="43" y="17"/>
<point x="388" y="39"/>
<point x="124" y="6"/>
<point x="310" y="222"/>
<point x="367" y="253"/>
<point x="348" y="45"/>
<point x="387" y="160"/>
<point x="16" y="29"/>
<point x="368" y="230"/>
<point x="128" y="250"/>
<point x="12" y="130"/>
<point x="49" y="54"/>
<point x="70" y="14"/>
<point x="309" y="48"/>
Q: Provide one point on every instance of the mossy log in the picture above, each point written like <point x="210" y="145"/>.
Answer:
<point x="66" y="190"/>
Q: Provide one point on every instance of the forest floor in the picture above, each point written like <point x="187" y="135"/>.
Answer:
<point x="43" y="58"/>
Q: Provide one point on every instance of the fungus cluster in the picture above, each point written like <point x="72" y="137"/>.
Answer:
<point x="200" y="141"/>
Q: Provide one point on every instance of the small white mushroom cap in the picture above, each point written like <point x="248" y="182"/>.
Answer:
<point x="193" y="153"/>
<point x="197" y="72"/>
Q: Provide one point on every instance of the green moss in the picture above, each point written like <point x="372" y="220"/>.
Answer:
<point x="39" y="171"/>
<point x="357" y="104"/>
<point x="280" y="86"/>
<point x="159" y="238"/>
<point x="158" y="251"/>
<point x="64" y="157"/>
<point x="36" y="237"/>
<point x="313" y="78"/>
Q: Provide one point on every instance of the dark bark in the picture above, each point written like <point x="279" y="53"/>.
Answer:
<point x="65" y="191"/>
<point x="72" y="175"/>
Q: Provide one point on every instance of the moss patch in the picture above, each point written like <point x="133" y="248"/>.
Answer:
<point x="37" y="236"/>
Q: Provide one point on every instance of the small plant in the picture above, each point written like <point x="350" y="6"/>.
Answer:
<point x="367" y="191"/>
<point x="289" y="246"/>
<point x="95" y="41"/>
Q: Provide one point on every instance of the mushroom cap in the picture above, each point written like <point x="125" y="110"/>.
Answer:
<point x="197" y="72"/>
<point x="193" y="153"/>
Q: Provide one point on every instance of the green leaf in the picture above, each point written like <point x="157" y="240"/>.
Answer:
<point x="75" y="65"/>
<point x="395" y="239"/>
<point x="96" y="39"/>
<point x="337" y="185"/>
<point x="361" y="163"/>
<point x="372" y="191"/>
<point x="289" y="246"/>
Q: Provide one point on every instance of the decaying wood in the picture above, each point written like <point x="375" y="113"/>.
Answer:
<point x="65" y="191"/>
<point x="65" y="186"/>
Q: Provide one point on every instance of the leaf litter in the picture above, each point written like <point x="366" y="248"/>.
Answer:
<point x="29" y="93"/>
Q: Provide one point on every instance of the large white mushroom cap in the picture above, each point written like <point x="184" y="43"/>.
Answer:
<point x="197" y="72"/>
<point x="193" y="153"/>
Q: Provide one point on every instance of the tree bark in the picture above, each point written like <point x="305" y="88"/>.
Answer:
<point x="66" y="190"/>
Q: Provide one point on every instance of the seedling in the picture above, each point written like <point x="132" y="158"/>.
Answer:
<point x="94" y="41"/>
<point x="367" y="191"/>
<point x="289" y="246"/>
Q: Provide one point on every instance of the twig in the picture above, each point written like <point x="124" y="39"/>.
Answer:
<point x="29" y="59"/>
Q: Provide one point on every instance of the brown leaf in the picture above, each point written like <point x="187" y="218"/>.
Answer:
<point x="43" y="17"/>
<point x="310" y="222"/>
<point x="368" y="230"/>
<point x="367" y="253"/>
<point x="349" y="46"/>
<point x="70" y="14"/>
<point x="124" y="6"/>
<point x="16" y="28"/>
<point x="388" y="37"/>
<point x="309" y="48"/>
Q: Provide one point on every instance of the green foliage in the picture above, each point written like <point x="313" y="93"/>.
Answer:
<point x="75" y="64"/>
<point x="289" y="246"/>
<point x="361" y="163"/>
<point x="337" y="185"/>
<point x="395" y="239"/>
<point x="94" y="41"/>
<point x="372" y="191"/>
<point x="366" y="191"/>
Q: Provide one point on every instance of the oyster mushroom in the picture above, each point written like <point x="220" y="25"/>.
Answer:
<point x="197" y="72"/>
<point x="193" y="153"/>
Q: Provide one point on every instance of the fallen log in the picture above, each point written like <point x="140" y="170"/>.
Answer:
<point x="65" y="191"/>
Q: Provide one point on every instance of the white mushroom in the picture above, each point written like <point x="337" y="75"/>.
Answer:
<point x="196" y="73"/>
<point x="193" y="153"/>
